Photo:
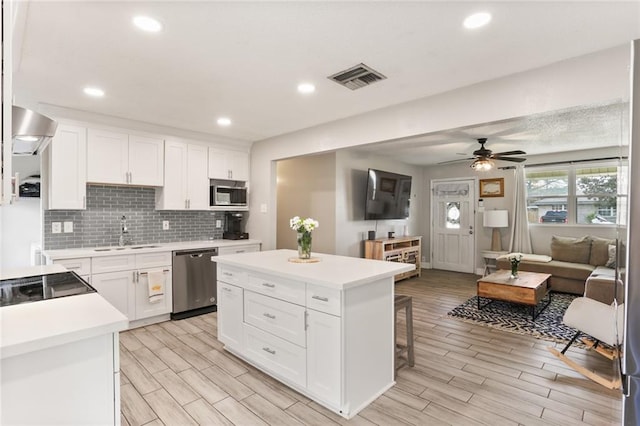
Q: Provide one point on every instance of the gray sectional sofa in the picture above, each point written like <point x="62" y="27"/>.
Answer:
<point x="576" y="263"/>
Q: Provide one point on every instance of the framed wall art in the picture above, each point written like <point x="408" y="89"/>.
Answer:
<point x="492" y="187"/>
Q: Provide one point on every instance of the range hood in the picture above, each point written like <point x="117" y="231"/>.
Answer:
<point x="31" y="131"/>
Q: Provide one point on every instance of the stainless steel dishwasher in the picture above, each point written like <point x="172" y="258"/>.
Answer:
<point x="194" y="282"/>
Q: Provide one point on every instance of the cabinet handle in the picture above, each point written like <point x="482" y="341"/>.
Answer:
<point x="268" y="285"/>
<point x="227" y="274"/>
<point x="84" y="201"/>
<point x="271" y="351"/>
<point x="226" y="289"/>
<point x="185" y="204"/>
<point x="145" y="273"/>
<point x="320" y="298"/>
<point x="134" y="276"/>
<point x="71" y="268"/>
<point x="270" y="316"/>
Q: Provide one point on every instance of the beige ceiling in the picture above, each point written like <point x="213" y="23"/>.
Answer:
<point x="245" y="59"/>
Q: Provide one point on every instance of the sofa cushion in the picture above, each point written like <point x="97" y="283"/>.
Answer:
<point x="574" y="250"/>
<point x="557" y="268"/>
<point x="600" y="251"/>
<point x="611" y="262"/>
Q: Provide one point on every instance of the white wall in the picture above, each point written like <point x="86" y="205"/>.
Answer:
<point x="595" y="78"/>
<point x="351" y="182"/>
<point x="21" y="222"/>
<point x="307" y="188"/>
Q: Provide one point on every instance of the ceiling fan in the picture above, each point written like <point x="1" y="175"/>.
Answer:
<point x="483" y="157"/>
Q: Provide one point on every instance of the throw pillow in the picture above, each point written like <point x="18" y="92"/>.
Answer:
<point x="599" y="251"/>
<point x="574" y="250"/>
<point x="611" y="262"/>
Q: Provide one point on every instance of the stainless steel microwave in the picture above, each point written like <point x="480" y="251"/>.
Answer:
<point x="228" y="195"/>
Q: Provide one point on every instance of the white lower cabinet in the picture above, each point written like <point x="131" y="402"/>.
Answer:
<point x="323" y="355"/>
<point x="277" y="355"/>
<point x="267" y="320"/>
<point x="330" y="343"/>
<point x="230" y="312"/>
<point x="118" y="289"/>
<point x="238" y="249"/>
<point x="126" y="285"/>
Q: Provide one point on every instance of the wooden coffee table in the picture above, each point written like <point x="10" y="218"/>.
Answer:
<point x="529" y="288"/>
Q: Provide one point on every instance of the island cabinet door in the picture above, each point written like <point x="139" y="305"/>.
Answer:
<point x="230" y="315"/>
<point x="323" y="356"/>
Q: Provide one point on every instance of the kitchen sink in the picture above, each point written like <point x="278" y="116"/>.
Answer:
<point x="124" y="248"/>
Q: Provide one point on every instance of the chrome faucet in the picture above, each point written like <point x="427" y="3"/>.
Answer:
<point x="125" y="238"/>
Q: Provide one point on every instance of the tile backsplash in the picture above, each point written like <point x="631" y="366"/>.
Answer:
<point x="99" y="224"/>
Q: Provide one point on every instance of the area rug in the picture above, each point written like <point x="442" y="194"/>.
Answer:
<point x="516" y="318"/>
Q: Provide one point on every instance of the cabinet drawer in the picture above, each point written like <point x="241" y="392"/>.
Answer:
<point x="112" y="263"/>
<point x="81" y="265"/>
<point x="323" y="299"/>
<point x="280" y="357"/>
<point x="238" y="249"/>
<point x="232" y="275"/>
<point x="278" y="317"/>
<point x="151" y="260"/>
<point x="280" y="288"/>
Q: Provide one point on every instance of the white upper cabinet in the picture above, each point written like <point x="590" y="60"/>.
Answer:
<point x="64" y="164"/>
<point x="186" y="184"/>
<point x="197" y="179"/>
<point x="146" y="160"/>
<point x="229" y="165"/>
<point x="119" y="158"/>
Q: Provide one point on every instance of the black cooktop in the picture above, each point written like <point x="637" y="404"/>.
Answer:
<point x="42" y="287"/>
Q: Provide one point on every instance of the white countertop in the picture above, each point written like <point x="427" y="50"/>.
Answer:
<point x="29" y="327"/>
<point x="33" y="326"/>
<point x="157" y="247"/>
<point x="30" y="271"/>
<point x="331" y="271"/>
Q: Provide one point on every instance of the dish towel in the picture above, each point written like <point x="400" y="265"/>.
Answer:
<point x="156" y="286"/>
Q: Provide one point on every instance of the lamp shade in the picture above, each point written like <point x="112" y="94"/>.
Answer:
<point x="495" y="219"/>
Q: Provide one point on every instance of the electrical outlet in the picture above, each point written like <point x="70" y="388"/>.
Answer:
<point x="218" y="223"/>
<point x="68" y="227"/>
<point x="263" y="208"/>
<point x="56" y="227"/>
<point x="165" y="225"/>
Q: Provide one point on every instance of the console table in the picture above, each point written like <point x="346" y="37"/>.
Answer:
<point x="401" y="249"/>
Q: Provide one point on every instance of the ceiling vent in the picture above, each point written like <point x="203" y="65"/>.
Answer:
<point x="357" y="77"/>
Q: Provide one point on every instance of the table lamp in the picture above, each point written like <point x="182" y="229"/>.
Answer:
<point x="496" y="219"/>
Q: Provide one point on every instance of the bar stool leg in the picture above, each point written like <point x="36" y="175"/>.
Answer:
<point x="410" y="353"/>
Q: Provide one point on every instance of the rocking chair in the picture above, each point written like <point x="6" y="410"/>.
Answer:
<point x="602" y="322"/>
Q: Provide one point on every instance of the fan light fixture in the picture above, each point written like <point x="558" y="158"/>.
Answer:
<point x="482" y="165"/>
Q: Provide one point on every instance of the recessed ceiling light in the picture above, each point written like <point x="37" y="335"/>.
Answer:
<point x="146" y="23"/>
<point x="477" y="20"/>
<point x="306" y="88"/>
<point x="224" y="121"/>
<point x="94" y="91"/>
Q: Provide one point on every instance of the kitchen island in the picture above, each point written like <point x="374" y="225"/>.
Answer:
<point x="323" y="328"/>
<point x="59" y="358"/>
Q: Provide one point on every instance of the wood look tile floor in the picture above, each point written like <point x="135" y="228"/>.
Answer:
<point x="176" y="373"/>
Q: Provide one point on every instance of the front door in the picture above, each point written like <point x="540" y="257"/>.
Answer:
<point x="452" y="225"/>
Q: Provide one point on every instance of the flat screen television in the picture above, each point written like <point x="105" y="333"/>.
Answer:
<point x="388" y="195"/>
